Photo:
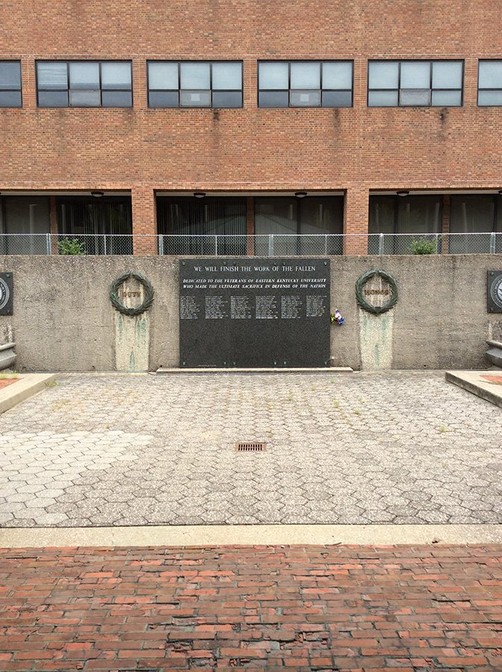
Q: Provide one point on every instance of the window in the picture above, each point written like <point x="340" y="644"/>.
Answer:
<point x="490" y="83"/>
<point x="280" y="219"/>
<point x="102" y="225"/>
<point x="26" y="220"/>
<point x="194" y="84"/>
<point x="415" y="83"/>
<point x="10" y="84"/>
<point x="479" y="214"/>
<point x="417" y="216"/>
<point x="305" y="84"/>
<point x="210" y="225"/>
<point x="84" y="84"/>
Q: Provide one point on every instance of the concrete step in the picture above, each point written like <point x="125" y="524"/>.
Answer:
<point x="484" y="384"/>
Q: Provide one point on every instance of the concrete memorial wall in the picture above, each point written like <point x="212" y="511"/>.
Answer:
<point x="63" y="318"/>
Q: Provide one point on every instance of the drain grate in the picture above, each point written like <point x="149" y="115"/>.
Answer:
<point x="251" y="447"/>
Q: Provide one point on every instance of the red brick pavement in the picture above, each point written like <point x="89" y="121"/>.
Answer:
<point x="310" y="608"/>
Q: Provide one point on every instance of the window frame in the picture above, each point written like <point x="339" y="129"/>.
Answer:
<point x="498" y="89"/>
<point x="321" y="90"/>
<point x="430" y="90"/>
<point x="17" y="90"/>
<point x="496" y="220"/>
<point x="181" y="90"/>
<point x="69" y="89"/>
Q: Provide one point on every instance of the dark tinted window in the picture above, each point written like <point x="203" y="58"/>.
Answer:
<point x="84" y="84"/>
<point x="305" y="84"/>
<point x="415" y="83"/>
<point x="195" y="84"/>
<point x="10" y="84"/>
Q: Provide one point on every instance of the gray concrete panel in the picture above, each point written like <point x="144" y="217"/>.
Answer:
<point x="63" y="319"/>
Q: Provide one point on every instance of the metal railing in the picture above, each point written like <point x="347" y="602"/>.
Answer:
<point x="262" y="245"/>
<point x="435" y="243"/>
<point x="66" y="244"/>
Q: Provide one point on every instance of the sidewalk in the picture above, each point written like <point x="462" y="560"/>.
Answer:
<point x="400" y="457"/>
<point x="412" y="609"/>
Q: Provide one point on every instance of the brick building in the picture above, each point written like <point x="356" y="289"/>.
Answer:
<point x="196" y="122"/>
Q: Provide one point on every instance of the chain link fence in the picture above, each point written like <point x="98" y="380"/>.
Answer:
<point x="266" y="245"/>
<point x="80" y="244"/>
<point x="262" y="245"/>
<point x="435" y="243"/>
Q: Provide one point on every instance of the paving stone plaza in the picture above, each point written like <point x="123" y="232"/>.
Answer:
<point x="360" y="448"/>
<point x="94" y="454"/>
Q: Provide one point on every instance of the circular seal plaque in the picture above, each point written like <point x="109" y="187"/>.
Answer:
<point x="116" y="294"/>
<point x="4" y="293"/>
<point x="376" y="292"/>
<point x="495" y="291"/>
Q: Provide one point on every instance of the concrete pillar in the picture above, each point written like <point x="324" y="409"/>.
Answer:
<point x="356" y="216"/>
<point x="132" y="333"/>
<point x="144" y="221"/>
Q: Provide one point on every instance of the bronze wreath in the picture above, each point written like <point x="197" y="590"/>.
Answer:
<point x="376" y="310"/>
<point x="147" y="302"/>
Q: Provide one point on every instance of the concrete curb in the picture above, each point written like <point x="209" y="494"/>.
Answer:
<point x="331" y="369"/>
<point x="27" y="385"/>
<point x="250" y="535"/>
<point x="471" y="382"/>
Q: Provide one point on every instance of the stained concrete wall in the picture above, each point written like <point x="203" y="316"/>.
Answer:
<point x="64" y="321"/>
<point x="440" y="320"/>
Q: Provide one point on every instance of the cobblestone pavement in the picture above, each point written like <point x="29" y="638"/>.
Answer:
<point x="394" y="447"/>
<point x="345" y="608"/>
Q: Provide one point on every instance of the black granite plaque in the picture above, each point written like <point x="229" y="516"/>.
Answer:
<point x="494" y="292"/>
<point x="6" y="293"/>
<point x="253" y="313"/>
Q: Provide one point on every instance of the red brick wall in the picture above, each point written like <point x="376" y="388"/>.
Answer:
<point x="248" y="149"/>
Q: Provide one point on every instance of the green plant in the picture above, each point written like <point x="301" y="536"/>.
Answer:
<point x="71" y="246"/>
<point x="424" y="246"/>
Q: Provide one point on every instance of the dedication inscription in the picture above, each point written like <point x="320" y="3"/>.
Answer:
<point x="252" y="313"/>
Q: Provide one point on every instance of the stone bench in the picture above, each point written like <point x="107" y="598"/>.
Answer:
<point x="494" y="353"/>
<point x="7" y="355"/>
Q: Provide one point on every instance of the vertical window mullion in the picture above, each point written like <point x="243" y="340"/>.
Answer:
<point x="399" y="84"/>
<point x="211" y="83"/>
<point x="289" y="84"/>
<point x="462" y="84"/>
<point x="100" y="84"/>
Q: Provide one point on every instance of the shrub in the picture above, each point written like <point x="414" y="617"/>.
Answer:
<point x="423" y="246"/>
<point x="71" y="246"/>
